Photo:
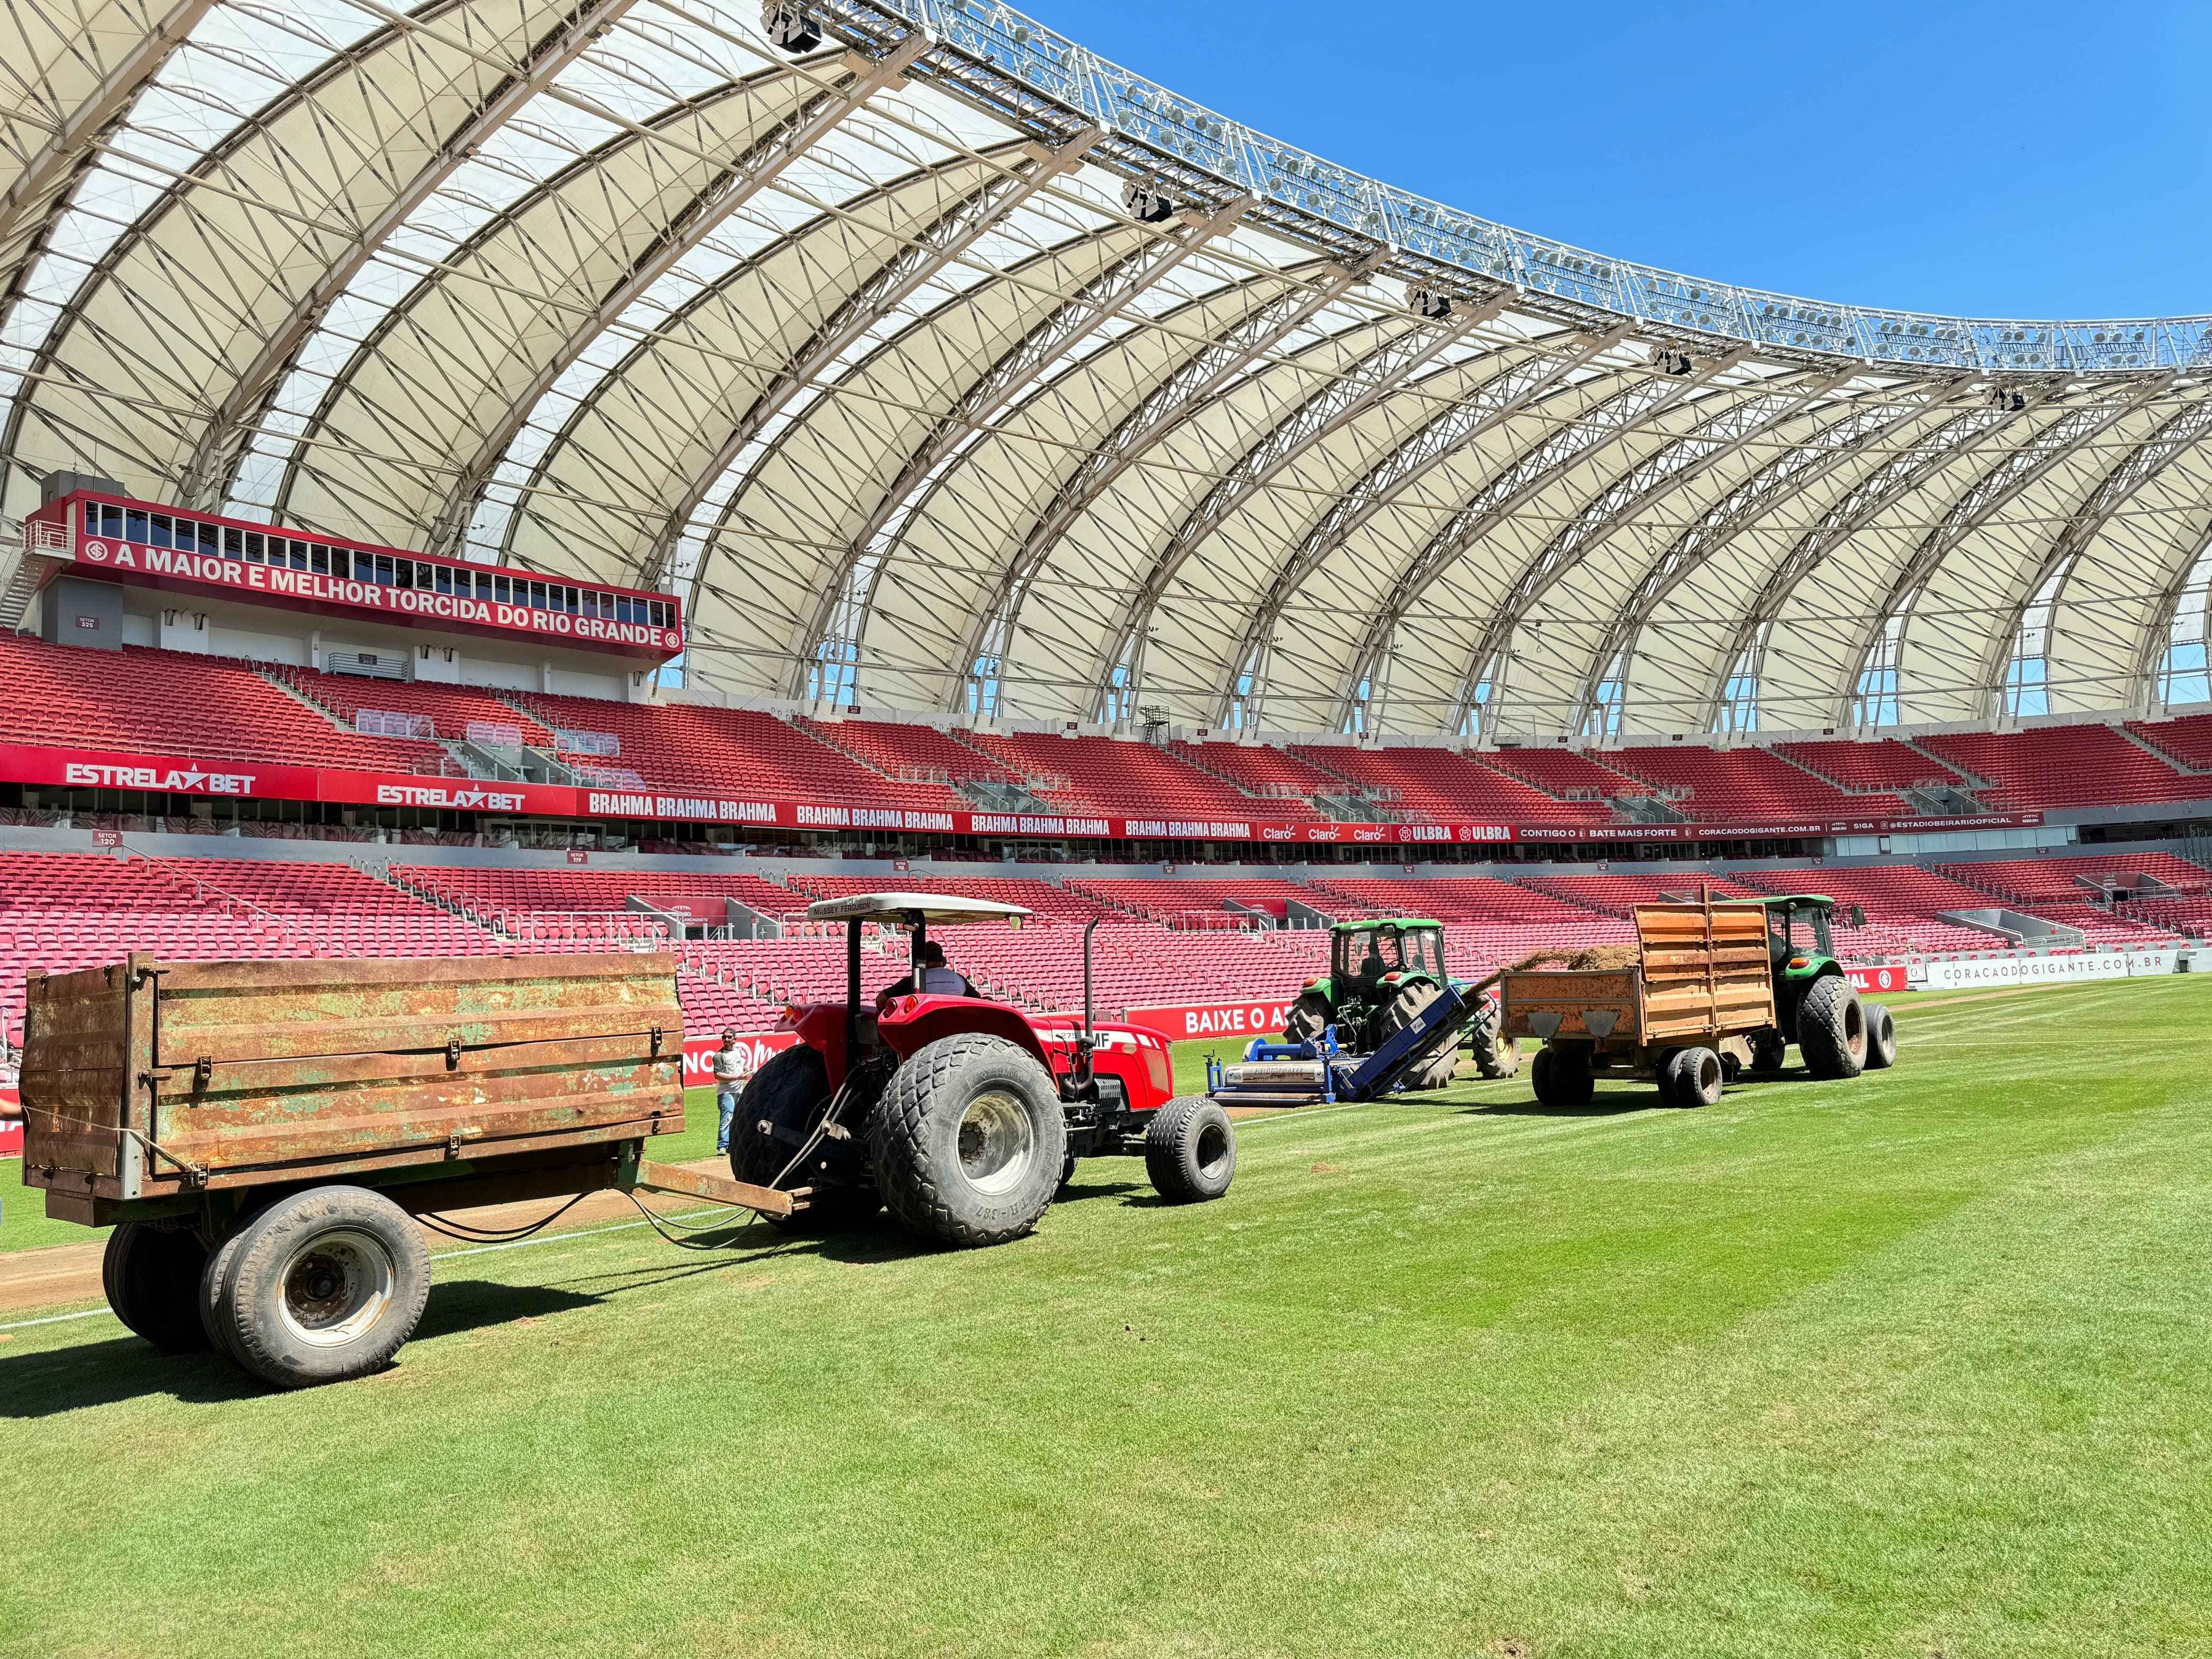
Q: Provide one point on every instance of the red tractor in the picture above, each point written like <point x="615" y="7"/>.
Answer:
<point x="963" y="1116"/>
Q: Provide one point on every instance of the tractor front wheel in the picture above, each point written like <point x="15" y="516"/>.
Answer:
<point x="1190" y="1150"/>
<point x="1309" y="1017"/>
<point x="1831" y="1029"/>
<point x="970" y="1141"/>
<point x="1881" y="1038"/>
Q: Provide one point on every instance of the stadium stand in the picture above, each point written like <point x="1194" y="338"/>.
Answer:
<point x="60" y="911"/>
<point x="1903" y="904"/>
<point x="897" y="750"/>
<point x="451" y="709"/>
<point x="2053" y="766"/>
<point x="1182" y="901"/>
<point x="491" y="893"/>
<point x="1439" y="785"/>
<point x="1106" y="775"/>
<point x="1871" y="768"/>
<point x="1620" y="895"/>
<point x="737" y="751"/>
<point x="1568" y="774"/>
<point x="337" y="909"/>
<point x="2053" y="890"/>
<point x="171" y="703"/>
<point x="2188" y="740"/>
<point x="1259" y="769"/>
<point x="1744" y="785"/>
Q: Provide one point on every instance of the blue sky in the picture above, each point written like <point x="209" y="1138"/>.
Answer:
<point x="2029" y="159"/>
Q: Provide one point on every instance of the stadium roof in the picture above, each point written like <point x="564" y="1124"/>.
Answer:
<point x="945" y="366"/>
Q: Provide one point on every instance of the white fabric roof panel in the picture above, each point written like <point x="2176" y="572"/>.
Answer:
<point x="864" y="354"/>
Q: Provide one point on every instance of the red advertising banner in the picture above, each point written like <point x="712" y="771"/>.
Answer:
<point x="445" y="794"/>
<point x="242" y="779"/>
<point x="1177" y="1021"/>
<point x="81" y="768"/>
<point x="1890" y="976"/>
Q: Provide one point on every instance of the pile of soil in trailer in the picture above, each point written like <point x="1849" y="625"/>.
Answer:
<point x="1589" y="958"/>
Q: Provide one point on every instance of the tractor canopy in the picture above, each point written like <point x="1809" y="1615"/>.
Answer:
<point x="1799" y="933"/>
<point x="914" y="910"/>
<point x="1382" y="951"/>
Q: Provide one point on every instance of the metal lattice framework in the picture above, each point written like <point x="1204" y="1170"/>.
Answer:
<point x="944" y="365"/>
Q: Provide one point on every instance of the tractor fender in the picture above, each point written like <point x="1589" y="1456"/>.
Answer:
<point x="912" y="1022"/>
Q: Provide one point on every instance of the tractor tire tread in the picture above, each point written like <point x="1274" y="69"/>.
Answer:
<point x="1171" y="1148"/>
<point x="904" y="1171"/>
<point x="1824" y="1029"/>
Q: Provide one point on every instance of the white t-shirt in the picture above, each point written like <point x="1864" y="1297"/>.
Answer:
<point x="729" y="1065"/>
<point x="940" y="982"/>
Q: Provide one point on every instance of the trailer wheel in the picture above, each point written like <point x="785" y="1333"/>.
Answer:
<point x="1831" y="1029"/>
<point x="1494" y="1057"/>
<point x="1561" y="1077"/>
<point x="1190" y="1150"/>
<point x="1881" y="1038"/>
<point x="214" y="1278"/>
<point x="1309" y="1016"/>
<point x="1691" y="1078"/>
<point x="777" y="1113"/>
<point x="969" y="1141"/>
<point x="152" y="1275"/>
<point x="324" y="1286"/>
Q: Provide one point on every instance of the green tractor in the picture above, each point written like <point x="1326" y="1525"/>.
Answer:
<point x="1815" y="1005"/>
<point x="1382" y="973"/>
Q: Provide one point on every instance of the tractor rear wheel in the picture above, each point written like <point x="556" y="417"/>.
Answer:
<point x="1881" y="1038"/>
<point x="777" y="1115"/>
<point x="1309" y="1016"/>
<point x="1561" y="1077"/>
<point x="1190" y="1150"/>
<point x="152" y="1276"/>
<point x="1831" y="1029"/>
<point x="969" y="1141"/>
<point x="1494" y="1056"/>
<point x="1405" y="1008"/>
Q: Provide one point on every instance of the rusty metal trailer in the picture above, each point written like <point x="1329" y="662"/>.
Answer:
<point x="260" y="1133"/>
<point x="1682" y="1015"/>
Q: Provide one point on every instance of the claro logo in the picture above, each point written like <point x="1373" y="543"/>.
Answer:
<point x="149" y="777"/>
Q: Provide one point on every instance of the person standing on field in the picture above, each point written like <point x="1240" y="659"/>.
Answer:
<point x="730" y="1071"/>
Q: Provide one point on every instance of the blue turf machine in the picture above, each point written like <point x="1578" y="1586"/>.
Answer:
<point x="1317" y="1071"/>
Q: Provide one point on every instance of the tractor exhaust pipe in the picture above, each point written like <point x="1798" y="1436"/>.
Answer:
<point x="1089" y="928"/>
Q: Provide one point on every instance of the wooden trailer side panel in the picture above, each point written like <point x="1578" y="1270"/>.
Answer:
<point x="247" y="1073"/>
<point x="1706" y="972"/>
<point x="1598" y="1003"/>
<point x="77" y="1059"/>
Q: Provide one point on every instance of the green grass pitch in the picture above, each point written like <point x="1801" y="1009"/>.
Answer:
<point x="1913" y="1365"/>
